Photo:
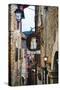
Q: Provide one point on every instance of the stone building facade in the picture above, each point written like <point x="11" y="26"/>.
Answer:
<point x="46" y="21"/>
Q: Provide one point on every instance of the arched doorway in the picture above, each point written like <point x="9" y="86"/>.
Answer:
<point x="55" y="68"/>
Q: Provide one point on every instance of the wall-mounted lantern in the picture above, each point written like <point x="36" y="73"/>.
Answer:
<point x="33" y="42"/>
<point x="19" y="14"/>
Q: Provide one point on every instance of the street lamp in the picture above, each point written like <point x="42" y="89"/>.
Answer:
<point x="45" y="59"/>
<point x="33" y="42"/>
<point x="45" y="75"/>
<point x="19" y="14"/>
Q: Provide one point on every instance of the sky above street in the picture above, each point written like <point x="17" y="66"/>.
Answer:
<point x="29" y="20"/>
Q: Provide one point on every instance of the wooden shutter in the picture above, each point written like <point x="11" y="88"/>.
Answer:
<point x="16" y="58"/>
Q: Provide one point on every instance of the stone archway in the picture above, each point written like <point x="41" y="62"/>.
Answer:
<point x="55" y="68"/>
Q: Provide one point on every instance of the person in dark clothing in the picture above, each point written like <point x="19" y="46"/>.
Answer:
<point x="22" y="80"/>
<point x="29" y="80"/>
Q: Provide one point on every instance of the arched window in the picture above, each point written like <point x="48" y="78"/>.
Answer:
<point x="55" y="68"/>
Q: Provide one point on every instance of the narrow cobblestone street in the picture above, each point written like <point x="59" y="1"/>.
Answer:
<point x="33" y="45"/>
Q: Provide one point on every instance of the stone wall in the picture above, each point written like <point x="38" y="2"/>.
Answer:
<point x="12" y="44"/>
<point x="48" y="33"/>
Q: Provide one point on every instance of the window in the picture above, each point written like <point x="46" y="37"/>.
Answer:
<point x="16" y="58"/>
